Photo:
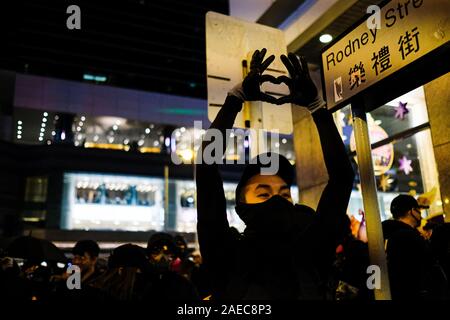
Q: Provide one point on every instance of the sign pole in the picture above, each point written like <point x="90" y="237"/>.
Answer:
<point x="369" y="193"/>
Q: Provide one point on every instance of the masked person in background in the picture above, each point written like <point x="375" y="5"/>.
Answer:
<point x="286" y="250"/>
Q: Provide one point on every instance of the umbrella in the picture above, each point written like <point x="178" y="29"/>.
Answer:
<point x="35" y="249"/>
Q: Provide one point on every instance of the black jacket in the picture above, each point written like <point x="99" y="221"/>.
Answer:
<point x="245" y="268"/>
<point x="409" y="261"/>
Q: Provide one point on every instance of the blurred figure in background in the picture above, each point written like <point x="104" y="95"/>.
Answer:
<point x="85" y="256"/>
<point x="127" y="276"/>
<point x="166" y="284"/>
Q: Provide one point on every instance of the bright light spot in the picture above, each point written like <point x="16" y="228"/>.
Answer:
<point x="60" y="265"/>
<point x="378" y="122"/>
<point x="43" y="263"/>
<point x="110" y="139"/>
<point x="95" y="138"/>
<point x="152" y="126"/>
<point x="167" y="142"/>
<point x="190" y="200"/>
<point x="126" y="141"/>
<point x="63" y="136"/>
<point x="80" y="123"/>
<point x="19" y="122"/>
<point x="182" y="129"/>
<point x="83" y="118"/>
<point x="45" y="114"/>
<point x="43" y="125"/>
<point x="439" y="203"/>
<point x="49" y="142"/>
<point x="44" y="119"/>
<point x="187" y="154"/>
<point x="41" y="134"/>
<point x="42" y="130"/>
<point x="56" y="117"/>
<point x="246" y="144"/>
<point x="409" y="146"/>
<point x="446" y="201"/>
<point x="177" y="134"/>
<point x="141" y="143"/>
<point x="19" y="132"/>
<point x="115" y="127"/>
<point x="19" y="127"/>
<point x="283" y="141"/>
<point x="41" y="139"/>
<point x="88" y="77"/>
<point x="19" y="137"/>
<point x="53" y="133"/>
<point x="156" y="143"/>
<point x="277" y="144"/>
<point x="78" y="129"/>
<point x="79" y="137"/>
<point x="147" y="131"/>
<point x="325" y="38"/>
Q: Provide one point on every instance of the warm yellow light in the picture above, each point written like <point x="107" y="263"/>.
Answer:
<point x="187" y="154"/>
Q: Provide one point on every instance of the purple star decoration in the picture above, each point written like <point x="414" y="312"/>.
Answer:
<point x="401" y="110"/>
<point x="405" y="165"/>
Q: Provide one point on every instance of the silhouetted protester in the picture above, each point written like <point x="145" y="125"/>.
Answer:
<point x="410" y="263"/>
<point x="182" y="262"/>
<point x="85" y="256"/>
<point x="166" y="284"/>
<point x="440" y="247"/>
<point x="13" y="287"/>
<point x="348" y="280"/>
<point x="127" y="277"/>
<point x="286" y="251"/>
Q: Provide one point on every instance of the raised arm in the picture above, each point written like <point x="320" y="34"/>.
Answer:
<point x="332" y="222"/>
<point x="212" y="226"/>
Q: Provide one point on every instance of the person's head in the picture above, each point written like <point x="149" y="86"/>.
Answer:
<point x="125" y="265"/>
<point x="258" y="184"/>
<point x="406" y="209"/>
<point x="181" y="245"/>
<point x="85" y="254"/>
<point x="161" y="249"/>
<point x="128" y="256"/>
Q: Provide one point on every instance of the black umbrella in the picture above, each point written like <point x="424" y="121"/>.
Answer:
<point x="34" y="249"/>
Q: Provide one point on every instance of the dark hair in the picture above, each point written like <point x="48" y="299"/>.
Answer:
<point x="89" y="246"/>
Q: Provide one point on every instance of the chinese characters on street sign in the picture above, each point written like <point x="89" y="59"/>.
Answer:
<point x="408" y="30"/>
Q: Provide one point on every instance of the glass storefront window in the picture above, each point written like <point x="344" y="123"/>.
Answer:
<point x="404" y="160"/>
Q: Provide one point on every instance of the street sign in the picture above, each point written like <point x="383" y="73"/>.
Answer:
<point x="229" y="42"/>
<point x="407" y="30"/>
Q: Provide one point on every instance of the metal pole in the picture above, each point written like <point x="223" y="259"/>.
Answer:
<point x="166" y="197"/>
<point x="369" y="193"/>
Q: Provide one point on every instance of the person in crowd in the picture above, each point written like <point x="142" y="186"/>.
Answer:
<point x="286" y="250"/>
<point x="349" y="276"/>
<point x="409" y="258"/>
<point x="182" y="263"/>
<point x="166" y="284"/>
<point x="127" y="277"/>
<point x="85" y="256"/>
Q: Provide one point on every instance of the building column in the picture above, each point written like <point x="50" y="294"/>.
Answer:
<point x="437" y="97"/>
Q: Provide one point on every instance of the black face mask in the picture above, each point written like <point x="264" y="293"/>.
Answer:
<point x="276" y="215"/>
